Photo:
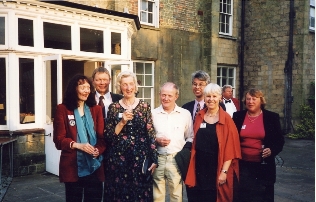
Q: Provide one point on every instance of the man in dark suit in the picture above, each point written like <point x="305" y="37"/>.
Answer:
<point x="101" y="80"/>
<point x="231" y="104"/>
<point x="199" y="80"/>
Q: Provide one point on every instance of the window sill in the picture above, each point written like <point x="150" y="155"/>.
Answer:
<point x="226" y="37"/>
<point x="152" y="27"/>
<point x="22" y="132"/>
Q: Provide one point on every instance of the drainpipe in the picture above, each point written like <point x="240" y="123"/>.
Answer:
<point x="241" y="54"/>
<point x="288" y="75"/>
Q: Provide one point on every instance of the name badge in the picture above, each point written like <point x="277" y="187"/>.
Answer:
<point x="72" y="122"/>
<point x="203" y="125"/>
<point x="71" y="117"/>
<point x="120" y="115"/>
<point x="243" y="127"/>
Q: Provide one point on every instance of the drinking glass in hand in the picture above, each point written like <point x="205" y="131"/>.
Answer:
<point x="129" y="122"/>
<point x="262" y="162"/>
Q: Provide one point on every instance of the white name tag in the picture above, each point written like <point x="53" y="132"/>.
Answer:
<point x="71" y="117"/>
<point x="120" y="115"/>
<point x="243" y="127"/>
<point x="203" y="125"/>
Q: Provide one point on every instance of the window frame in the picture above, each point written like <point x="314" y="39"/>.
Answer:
<point x="230" y="18"/>
<point x="155" y="13"/>
<point x="152" y="89"/>
<point x="6" y="32"/>
<point x="227" y="76"/>
<point x="311" y="15"/>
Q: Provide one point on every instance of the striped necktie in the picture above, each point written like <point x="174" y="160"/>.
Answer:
<point x="198" y="108"/>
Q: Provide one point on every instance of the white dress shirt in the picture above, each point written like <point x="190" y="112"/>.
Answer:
<point x="176" y="126"/>
<point x="106" y="101"/>
<point x="230" y="107"/>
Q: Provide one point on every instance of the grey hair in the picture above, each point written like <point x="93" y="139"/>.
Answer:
<point x="122" y="75"/>
<point x="171" y="84"/>
<point x="212" y="88"/>
<point x="201" y="75"/>
<point x="226" y="86"/>
<point x="100" y="70"/>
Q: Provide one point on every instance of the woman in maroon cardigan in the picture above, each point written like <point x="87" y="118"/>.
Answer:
<point x="78" y="132"/>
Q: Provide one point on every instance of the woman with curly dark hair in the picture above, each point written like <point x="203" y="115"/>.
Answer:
<point x="78" y="132"/>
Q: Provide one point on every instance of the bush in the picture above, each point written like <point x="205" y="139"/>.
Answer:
<point x="306" y="129"/>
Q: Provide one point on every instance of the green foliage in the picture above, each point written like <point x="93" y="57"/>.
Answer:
<point x="306" y="129"/>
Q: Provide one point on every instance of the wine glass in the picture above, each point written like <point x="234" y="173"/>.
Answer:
<point x="263" y="162"/>
<point x="129" y="122"/>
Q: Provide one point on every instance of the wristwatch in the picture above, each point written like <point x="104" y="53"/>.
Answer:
<point x="224" y="171"/>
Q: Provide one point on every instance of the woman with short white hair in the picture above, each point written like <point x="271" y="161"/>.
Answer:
<point x="215" y="151"/>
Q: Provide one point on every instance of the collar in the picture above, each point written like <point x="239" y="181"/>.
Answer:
<point x="106" y="95"/>
<point x="201" y="103"/>
<point x="176" y="109"/>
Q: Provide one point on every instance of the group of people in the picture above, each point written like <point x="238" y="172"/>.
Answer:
<point x="116" y="148"/>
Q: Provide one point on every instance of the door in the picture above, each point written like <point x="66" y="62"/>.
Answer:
<point x="52" y="68"/>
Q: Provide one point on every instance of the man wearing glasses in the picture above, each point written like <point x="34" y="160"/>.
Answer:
<point x="199" y="80"/>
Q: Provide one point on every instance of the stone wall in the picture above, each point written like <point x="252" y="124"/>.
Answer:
<point x="266" y="51"/>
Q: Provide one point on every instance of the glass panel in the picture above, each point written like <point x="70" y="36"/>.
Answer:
<point x="143" y="17"/>
<point x="148" y="68"/>
<point x="147" y="100"/>
<point x="25" y="32"/>
<point x="140" y="92"/>
<point x="150" y="6"/>
<point x="3" y="92"/>
<point x="51" y="90"/>
<point x="148" y="80"/>
<point x="231" y="72"/>
<point x="147" y="92"/>
<point x="219" y="71"/>
<point x="115" y="43"/>
<point x="229" y="8"/>
<point x="140" y="80"/>
<point x="219" y="81"/>
<point x="150" y="18"/>
<point x="144" y="5"/>
<point x="230" y="81"/>
<point x="224" y="72"/>
<point x="139" y="68"/>
<point x="224" y="81"/>
<point x="57" y="36"/>
<point x="91" y="40"/>
<point x="26" y="81"/>
<point x="2" y="30"/>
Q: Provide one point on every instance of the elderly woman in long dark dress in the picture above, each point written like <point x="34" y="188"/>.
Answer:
<point x="261" y="140"/>
<point x="130" y="138"/>
<point x="78" y="133"/>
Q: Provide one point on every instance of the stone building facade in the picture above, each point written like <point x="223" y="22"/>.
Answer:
<point x="267" y="39"/>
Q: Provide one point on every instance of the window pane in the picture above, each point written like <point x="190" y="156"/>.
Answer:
<point x="57" y="36"/>
<point x="143" y="17"/>
<point x="230" y="82"/>
<point x="2" y="30"/>
<point x="140" y="92"/>
<point x="148" y="68"/>
<point x="224" y="72"/>
<point x="139" y="68"/>
<point x="150" y="18"/>
<point x="219" y="81"/>
<point x="140" y="80"/>
<point x="3" y="92"/>
<point x="147" y="92"/>
<point x="147" y="100"/>
<point x="25" y="32"/>
<point x="51" y="90"/>
<point x="219" y="71"/>
<point x="26" y="81"/>
<point x="148" y="80"/>
<point x="91" y="40"/>
<point x="224" y="81"/>
<point x="231" y="72"/>
<point x="150" y="6"/>
<point x="144" y="5"/>
<point x="116" y="43"/>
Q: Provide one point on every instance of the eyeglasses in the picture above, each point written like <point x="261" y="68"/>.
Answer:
<point x="198" y="85"/>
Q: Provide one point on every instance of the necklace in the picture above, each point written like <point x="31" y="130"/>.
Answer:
<point x="252" y="120"/>
<point x="123" y="100"/>
<point x="211" y="115"/>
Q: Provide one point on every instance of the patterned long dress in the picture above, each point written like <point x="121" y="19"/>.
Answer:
<point x="126" y="152"/>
